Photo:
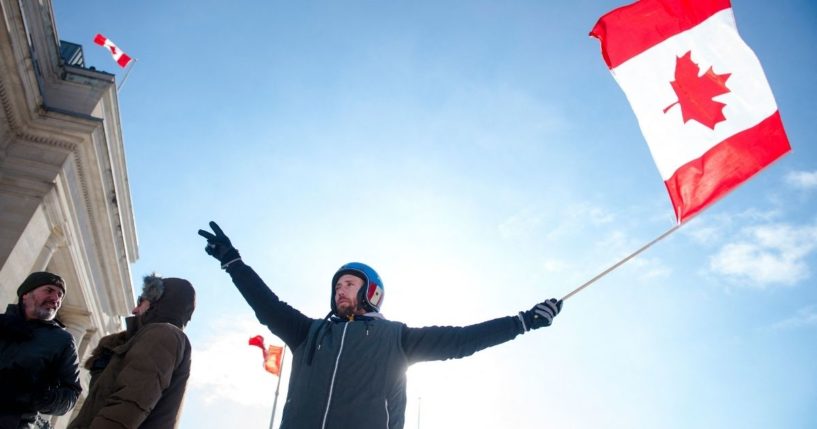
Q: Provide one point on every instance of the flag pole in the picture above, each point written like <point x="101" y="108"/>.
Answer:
<point x="664" y="235"/>
<point x="621" y="262"/>
<point x="277" y="387"/>
<point x="419" y="401"/>
<point x="130" y="67"/>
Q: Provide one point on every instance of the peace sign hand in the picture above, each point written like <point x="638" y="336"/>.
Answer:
<point x="219" y="246"/>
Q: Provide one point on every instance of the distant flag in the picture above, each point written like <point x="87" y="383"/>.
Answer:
<point x="700" y="95"/>
<point x="120" y="57"/>
<point x="273" y="355"/>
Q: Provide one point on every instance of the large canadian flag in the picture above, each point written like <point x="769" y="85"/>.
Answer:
<point x="699" y="93"/>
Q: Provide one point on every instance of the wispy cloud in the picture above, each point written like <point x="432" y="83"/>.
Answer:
<point x="619" y="244"/>
<point x="651" y="269"/>
<point x="772" y="254"/>
<point x="573" y="218"/>
<point x="520" y="224"/>
<point x="226" y="368"/>
<point x="704" y="233"/>
<point x="555" y="265"/>
<point x="802" y="179"/>
<point x="805" y="317"/>
<point x="711" y="230"/>
<point x="560" y="221"/>
<point x="594" y="214"/>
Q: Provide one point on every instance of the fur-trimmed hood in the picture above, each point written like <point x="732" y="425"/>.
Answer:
<point x="172" y="300"/>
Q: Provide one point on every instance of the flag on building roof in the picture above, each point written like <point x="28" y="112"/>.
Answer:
<point x="700" y="95"/>
<point x="120" y="57"/>
<point x="273" y="355"/>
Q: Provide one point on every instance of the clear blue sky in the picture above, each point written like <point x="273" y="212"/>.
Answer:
<point x="482" y="158"/>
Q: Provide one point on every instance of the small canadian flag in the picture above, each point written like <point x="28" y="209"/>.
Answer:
<point x="120" y="57"/>
<point x="273" y="356"/>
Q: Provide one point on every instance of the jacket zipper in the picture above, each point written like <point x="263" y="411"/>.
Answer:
<point x="334" y="373"/>
<point x="387" y="413"/>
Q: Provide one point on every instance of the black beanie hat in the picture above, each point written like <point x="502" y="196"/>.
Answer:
<point x="40" y="278"/>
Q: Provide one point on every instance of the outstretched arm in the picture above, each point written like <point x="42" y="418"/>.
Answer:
<point x="282" y="320"/>
<point x="287" y="323"/>
<point x="454" y="342"/>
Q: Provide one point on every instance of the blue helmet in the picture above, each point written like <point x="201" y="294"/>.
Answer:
<point x="371" y="294"/>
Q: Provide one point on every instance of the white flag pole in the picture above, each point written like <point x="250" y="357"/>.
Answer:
<point x="621" y="262"/>
<point x="668" y="232"/>
<point x="419" y="400"/>
<point x="277" y="387"/>
<point x="130" y="67"/>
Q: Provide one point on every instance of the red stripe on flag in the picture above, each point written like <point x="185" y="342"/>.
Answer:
<point x="123" y="60"/>
<point x="100" y="40"/>
<point x="630" y="30"/>
<point x="722" y="168"/>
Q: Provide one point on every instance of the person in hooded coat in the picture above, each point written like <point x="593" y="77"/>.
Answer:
<point x="139" y="376"/>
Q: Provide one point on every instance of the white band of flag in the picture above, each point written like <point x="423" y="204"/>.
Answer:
<point x="120" y="57"/>
<point x="699" y="93"/>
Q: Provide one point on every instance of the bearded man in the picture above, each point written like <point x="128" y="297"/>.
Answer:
<point x="38" y="357"/>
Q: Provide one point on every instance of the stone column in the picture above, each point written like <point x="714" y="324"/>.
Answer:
<point x="79" y="324"/>
<point x="55" y="241"/>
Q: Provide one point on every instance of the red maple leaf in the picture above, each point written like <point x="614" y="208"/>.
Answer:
<point x="695" y="92"/>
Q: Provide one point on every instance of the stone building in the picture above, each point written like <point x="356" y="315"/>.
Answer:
<point x="65" y="202"/>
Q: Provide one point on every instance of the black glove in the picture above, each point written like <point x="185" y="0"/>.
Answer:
<point x="219" y="246"/>
<point x="541" y="314"/>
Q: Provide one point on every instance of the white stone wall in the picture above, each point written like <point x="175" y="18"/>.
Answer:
<point x="65" y="204"/>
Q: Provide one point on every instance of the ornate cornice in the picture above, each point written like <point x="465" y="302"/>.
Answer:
<point x="19" y="131"/>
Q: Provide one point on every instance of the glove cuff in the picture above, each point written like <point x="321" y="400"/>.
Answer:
<point x="227" y="264"/>
<point x="521" y="316"/>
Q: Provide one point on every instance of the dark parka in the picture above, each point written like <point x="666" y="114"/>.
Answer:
<point x="139" y="375"/>
<point x="351" y="374"/>
<point x="38" y="369"/>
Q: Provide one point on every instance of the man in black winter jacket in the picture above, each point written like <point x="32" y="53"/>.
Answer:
<point x="349" y="368"/>
<point x="38" y="359"/>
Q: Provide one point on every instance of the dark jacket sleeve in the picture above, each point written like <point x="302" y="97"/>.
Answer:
<point x="61" y="399"/>
<point x="287" y="323"/>
<point x="453" y="342"/>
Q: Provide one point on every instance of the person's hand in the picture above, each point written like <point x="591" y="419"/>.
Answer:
<point x="541" y="314"/>
<point x="219" y="246"/>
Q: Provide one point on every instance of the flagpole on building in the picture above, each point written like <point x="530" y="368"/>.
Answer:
<point x="621" y="262"/>
<point x="277" y="387"/>
<point x="130" y="67"/>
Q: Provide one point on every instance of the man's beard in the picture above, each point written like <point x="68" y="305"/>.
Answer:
<point x="44" y="313"/>
<point x="348" y="311"/>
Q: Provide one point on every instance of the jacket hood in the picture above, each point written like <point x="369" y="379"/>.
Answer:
<point x="175" y="305"/>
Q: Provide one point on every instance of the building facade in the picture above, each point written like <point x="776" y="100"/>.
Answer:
<point x="65" y="202"/>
